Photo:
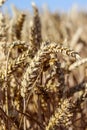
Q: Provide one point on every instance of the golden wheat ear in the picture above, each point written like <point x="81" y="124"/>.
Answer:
<point x="35" y="29"/>
<point x="14" y="64"/>
<point x="3" y="28"/>
<point x="19" y="25"/>
<point x="34" y="68"/>
<point x="62" y="115"/>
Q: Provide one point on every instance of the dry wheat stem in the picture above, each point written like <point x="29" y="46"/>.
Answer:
<point x="82" y="61"/>
<point x="7" y="118"/>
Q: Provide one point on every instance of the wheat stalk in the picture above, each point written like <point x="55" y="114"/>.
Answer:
<point x="78" y="63"/>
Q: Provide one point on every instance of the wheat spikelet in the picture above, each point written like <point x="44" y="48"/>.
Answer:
<point x="62" y="115"/>
<point x="61" y="79"/>
<point x="55" y="47"/>
<point x="50" y="85"/>
<point x="43" y="102"/>
<point x="18" y="43"/>
<point x="55" y="79"/>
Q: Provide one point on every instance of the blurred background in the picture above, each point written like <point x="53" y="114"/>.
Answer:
<point x="53" y="5"/>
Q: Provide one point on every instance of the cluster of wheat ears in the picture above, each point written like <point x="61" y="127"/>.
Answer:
<point x="43" y="70"/>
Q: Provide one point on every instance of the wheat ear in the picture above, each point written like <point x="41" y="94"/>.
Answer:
<point x="62" y="115"/>
<point x="42" y="55"/>
<point x="3" y="28"/>
<point x="35" y="29"/>
<point x="19" y="24"/>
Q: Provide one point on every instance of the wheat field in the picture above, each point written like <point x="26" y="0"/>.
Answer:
<point x="43" y="69"/>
